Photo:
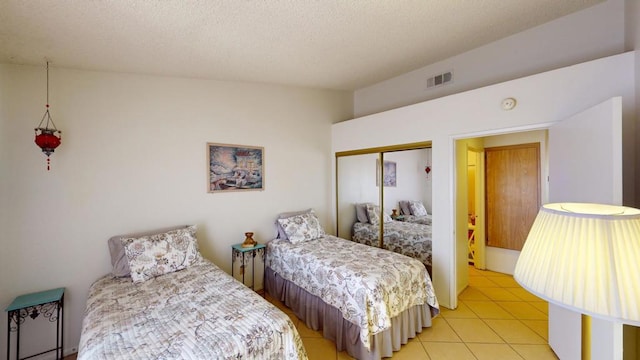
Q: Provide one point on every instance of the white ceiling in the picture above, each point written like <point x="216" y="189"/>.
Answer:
<point x="333" y="44"/>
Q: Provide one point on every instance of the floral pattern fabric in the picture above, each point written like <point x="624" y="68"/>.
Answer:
<point x="424" y="220"/>
<point x="410" y="239"/>
<point x="417" y="208"/>
<point x="373" y="213"/>
<point x="303" y="227"/>
<point x="368" y="285"/>
<point x="155" y="255"/>
<point x="200" y="312"/>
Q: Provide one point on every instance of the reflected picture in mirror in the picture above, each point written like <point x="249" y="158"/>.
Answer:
<point x="388" y="173"/>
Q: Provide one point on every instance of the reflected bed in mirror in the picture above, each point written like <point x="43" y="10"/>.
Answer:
<point x="414" y="211"/>
<point x="406" y="238"/>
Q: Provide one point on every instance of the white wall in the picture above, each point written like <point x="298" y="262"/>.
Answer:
<point x="133" y="158"/>
<point x="542" y="99"/>
<point x="589" y="34"/>
<point x="356" y="184"/>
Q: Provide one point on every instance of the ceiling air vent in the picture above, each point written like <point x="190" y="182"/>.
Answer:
<point x="440" y="79"/>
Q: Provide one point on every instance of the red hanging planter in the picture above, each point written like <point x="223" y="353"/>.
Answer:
<point x="48" y="141"/>
<point x="46" y="137"/>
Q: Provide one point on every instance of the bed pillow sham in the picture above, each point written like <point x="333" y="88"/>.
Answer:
<point x="373" y="212"/>
<point x="119" y="261"/>
<point x="302" y="227"/>
<point x="154" y="255"/>
<point x="417" y="208"/>
<point x="281" y="234"/>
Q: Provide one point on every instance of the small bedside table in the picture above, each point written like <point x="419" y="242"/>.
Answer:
<point x="50" y="304"/>
<point x="238" y="251"/>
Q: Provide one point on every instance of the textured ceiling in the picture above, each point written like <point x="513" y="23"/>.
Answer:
<point x="333" y="44"/>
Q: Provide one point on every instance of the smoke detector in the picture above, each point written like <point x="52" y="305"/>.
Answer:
<point x="508" y="103"/>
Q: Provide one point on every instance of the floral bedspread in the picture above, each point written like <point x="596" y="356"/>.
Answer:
<point x="424" y="220"/>
<point x="197" y="313"/>
<point x="367" y="284"/>
<point x="411" y="239"/>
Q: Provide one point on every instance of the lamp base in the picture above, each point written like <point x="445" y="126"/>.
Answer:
<point x="586" y="337"/>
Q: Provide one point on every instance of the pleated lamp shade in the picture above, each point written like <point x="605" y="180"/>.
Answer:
<point x="586" y="258"/>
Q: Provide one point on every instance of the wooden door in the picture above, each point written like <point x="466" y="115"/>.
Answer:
<point x="512" y="193"/>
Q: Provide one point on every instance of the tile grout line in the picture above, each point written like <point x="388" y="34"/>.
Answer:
<point x="545" y="341"/>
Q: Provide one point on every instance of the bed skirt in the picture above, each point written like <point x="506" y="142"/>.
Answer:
<point x="318" y="315"/>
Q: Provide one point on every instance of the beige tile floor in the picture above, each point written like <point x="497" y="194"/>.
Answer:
<point x="496" y="319"/>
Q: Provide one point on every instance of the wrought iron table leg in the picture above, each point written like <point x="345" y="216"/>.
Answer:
<point x="243" y="267"/>
<point x="9" y="335"/>
<point x="18" y="335"/>
<point x="253" y="270"/>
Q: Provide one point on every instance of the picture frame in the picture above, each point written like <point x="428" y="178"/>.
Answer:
<point x="389" y="173"/>
<point x="233" y="167"/>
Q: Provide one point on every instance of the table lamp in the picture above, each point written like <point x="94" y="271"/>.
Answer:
<point x="585" y="257"/>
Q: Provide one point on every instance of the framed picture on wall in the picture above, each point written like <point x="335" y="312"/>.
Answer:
<point x="234" y="168"/>
<point x="389" y="173"/>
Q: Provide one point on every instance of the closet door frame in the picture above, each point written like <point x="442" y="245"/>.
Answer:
<point x="380" y="151"/>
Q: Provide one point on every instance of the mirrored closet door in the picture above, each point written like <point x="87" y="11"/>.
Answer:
<point x="387" y="191"/>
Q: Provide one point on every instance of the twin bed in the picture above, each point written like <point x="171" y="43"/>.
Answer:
<point x="163" y="312"/>
<point x="367" y="300"/>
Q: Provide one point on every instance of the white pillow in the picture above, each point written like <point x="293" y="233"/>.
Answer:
<point x="155" y="255"/>
<point x="417" y="208"/>
<point x="303" y="227"/>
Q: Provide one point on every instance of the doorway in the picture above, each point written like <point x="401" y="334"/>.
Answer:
<point x="492" y="258"/>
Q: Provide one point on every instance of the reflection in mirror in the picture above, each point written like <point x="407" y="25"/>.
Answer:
<point x="356" y="185"/>
<point x="406" y="188"/>
<point x="407" y="180"/>
<point x="407" y="199"/>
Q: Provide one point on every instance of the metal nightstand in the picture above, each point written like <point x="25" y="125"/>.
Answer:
<point x="50" y="304"/>
<point x="237" y="251"/>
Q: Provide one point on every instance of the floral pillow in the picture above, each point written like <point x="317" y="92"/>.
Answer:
<point x="417" y="208"/>
<point x="159" y="254"/>
<point x="303" y="227"/>
<point x="373" y="212"/>
<point x="281" y="233"/>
